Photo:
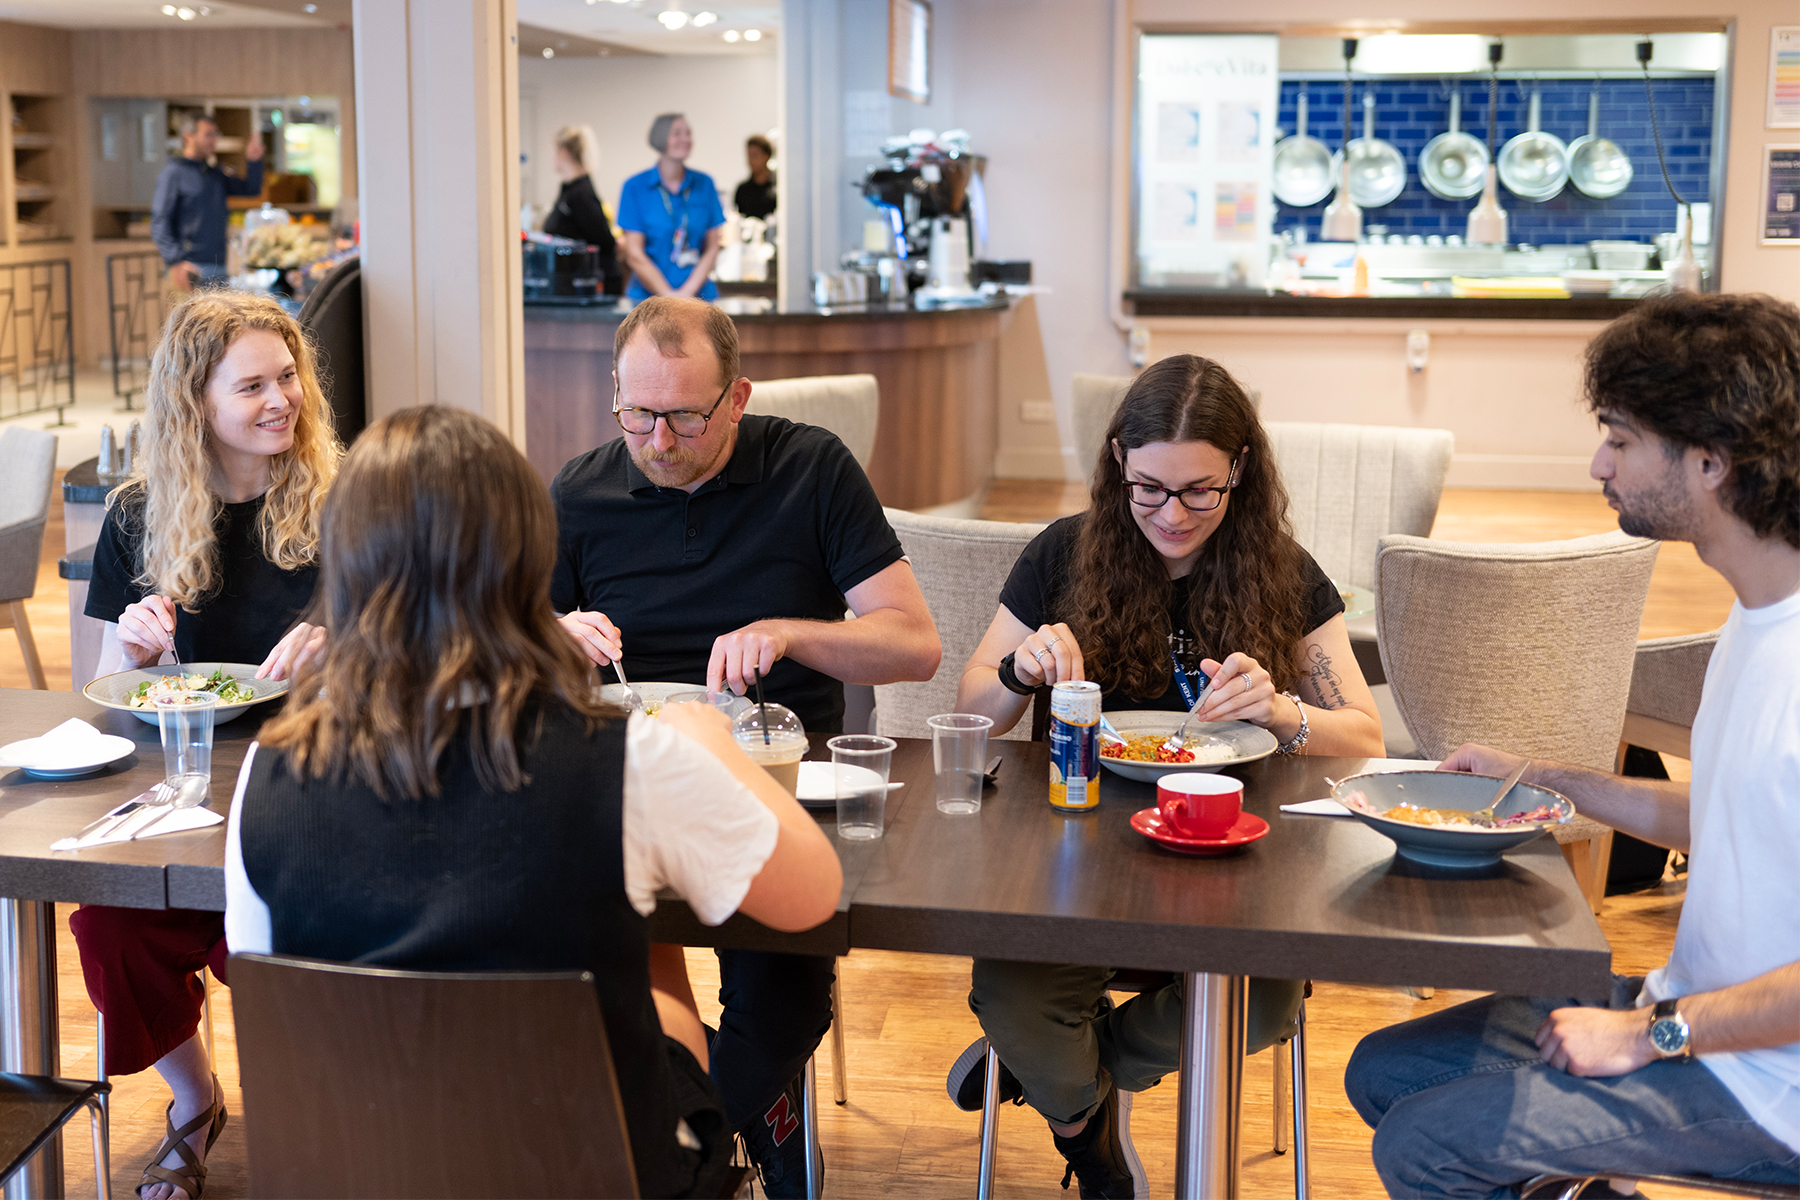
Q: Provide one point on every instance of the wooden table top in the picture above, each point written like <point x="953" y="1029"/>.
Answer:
<point x="1319" y="897"/>
<point x="37" y="812"/>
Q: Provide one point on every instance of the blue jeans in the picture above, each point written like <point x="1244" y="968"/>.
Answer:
<point x="1462" y="1105"/>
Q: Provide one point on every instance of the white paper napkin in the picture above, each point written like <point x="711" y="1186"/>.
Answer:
<point x="72" y="744"/>
<point x="174" y="820"/>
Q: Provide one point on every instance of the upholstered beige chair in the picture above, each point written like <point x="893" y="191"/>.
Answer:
<point x="961" y="566"/>
<point x="1666" y="676"/>
<point x="848" y="405"/>
<point x="1527" y="648"/>
<point x="27" y="474"/>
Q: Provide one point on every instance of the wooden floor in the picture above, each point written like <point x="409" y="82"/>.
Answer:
<point x="906" y="1016"/>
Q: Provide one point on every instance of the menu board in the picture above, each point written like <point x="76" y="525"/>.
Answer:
<point x="1204" y="152"/>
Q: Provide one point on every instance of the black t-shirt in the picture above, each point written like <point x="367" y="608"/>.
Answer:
<point x="788" y="527"/>
<point x="1035" y="589"/>
<point x="754" y="199"/>
<point x="579" y="214"/>
<point x="255" y="606"/>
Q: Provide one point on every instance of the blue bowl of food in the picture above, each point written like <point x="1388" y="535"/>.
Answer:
<point x="1426" y="813"/>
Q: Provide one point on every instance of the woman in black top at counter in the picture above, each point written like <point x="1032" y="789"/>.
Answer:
<point x="578" y="212"/>
<point x="210" y="550"/>
<point x="1182" y="569"/>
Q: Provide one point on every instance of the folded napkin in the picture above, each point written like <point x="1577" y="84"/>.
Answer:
<point x="174" y="820"/>
<point x="72" y="744"/>
<point x="1375" y="766"/>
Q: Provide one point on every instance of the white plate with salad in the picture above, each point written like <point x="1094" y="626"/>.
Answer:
<point x="135" y="692"/>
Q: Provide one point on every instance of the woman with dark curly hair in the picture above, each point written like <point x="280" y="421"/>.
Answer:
<point x="1182" y="570"/>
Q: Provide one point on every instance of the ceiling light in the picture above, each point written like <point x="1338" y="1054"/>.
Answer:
<point x="672" y="19"/>
<point x="311" y="8"/>
<point x="732" y="35"/>
<point x="704" y="19"/>
<point x="168" y="10"/>
<point x="753" y="35"/>
<point x="549" y="53"/>
<point x="186" y="14"/>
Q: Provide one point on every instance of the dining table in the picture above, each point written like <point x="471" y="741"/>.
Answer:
<point x="1318" y="897"/>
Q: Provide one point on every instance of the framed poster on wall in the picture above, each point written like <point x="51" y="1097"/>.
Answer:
<point x="1781" y="196"/>
<point x="1784" y="77"/>
<point x="909" y="50"/>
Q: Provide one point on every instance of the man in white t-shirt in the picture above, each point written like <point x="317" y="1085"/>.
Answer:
<point x="1694" y="1070"/>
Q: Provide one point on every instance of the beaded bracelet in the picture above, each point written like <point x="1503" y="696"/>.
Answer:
<point x="1293" y="745"/>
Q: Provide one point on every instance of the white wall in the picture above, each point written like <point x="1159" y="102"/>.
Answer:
<point x="726" y="99"/>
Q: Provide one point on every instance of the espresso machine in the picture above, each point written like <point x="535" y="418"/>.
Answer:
<point x="929" y="191"/>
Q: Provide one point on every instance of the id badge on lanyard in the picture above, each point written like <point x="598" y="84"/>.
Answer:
<point x="685" y="255"/>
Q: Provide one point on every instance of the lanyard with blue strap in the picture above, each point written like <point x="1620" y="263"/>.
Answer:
<point x="1188" y="694"/>
<point x="680" y="236"/>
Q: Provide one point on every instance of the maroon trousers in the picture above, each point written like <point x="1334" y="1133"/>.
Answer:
<point x="142" y="968"/>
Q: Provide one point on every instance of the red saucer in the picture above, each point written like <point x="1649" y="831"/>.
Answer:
<point x="1249" y="828"/>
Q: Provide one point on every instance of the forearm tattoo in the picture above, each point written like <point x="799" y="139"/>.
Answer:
<point x="1327" y="684"/>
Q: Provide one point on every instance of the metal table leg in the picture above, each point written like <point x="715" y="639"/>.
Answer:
<point x="1211" y="1086"/>
<point x="28" y="1034"/>
<point x="809" y="1128"/>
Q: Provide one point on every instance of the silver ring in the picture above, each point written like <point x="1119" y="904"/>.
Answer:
<point x="1051" y="642"/>
<point x="1246" y="682"/>
<point x="1039" y="654"/>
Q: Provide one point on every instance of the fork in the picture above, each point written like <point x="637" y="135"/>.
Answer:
<point x="634" y="700"/>
<point x="1178" y="739"/>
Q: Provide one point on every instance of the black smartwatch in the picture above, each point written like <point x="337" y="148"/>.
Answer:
<point x="1669" y="1030"/>
<point x="1009" y="678"/>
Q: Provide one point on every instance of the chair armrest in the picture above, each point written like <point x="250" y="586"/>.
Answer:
<point x="1667" y="675"/>
<point x="20" y="545"/>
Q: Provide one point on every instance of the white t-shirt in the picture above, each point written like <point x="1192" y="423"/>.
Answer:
<point x="1741" y="916"/>
<point x="689" y="825"/>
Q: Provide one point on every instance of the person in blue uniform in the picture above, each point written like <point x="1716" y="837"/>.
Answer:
<point x="671" y="218"/>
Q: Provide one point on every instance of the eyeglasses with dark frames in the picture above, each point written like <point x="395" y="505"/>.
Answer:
<point x="1194" y="499"/>
<point x="683" y="422"/>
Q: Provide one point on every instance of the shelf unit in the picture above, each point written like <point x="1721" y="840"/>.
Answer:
<point x="35" y="176"/>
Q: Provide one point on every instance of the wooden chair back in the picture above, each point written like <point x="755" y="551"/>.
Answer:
<point x="364" y="1081"/>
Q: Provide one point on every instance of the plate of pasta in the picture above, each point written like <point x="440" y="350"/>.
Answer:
<point x="1426" y="814"/>
<point x="234" y="685"/>
<point x="1211" y="745"/>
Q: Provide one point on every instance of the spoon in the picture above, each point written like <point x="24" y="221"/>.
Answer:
<point x="1107" y="731"/>
<point x="1485" y="817"/>
<point x="179" y="791"/>
<point x="1177" y="740"/>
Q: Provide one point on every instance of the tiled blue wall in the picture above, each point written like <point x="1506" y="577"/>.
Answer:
<point x="1409" y="113"/>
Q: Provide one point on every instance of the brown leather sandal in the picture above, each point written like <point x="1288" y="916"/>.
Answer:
<point x="190" y="1176"/>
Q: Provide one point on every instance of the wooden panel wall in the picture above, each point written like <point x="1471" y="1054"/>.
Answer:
<point x="34" y="59"/>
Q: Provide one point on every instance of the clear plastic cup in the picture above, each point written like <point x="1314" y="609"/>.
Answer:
<point x="778" y="748"/>
<point x="959" y="757"/>
<point x="186" y="723"/>
<point x="861" y="764"/>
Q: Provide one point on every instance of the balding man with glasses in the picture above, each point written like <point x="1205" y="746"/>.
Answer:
<point x="715" y="547"/>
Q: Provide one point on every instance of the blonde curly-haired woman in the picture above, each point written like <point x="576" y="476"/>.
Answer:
<point x="210" y="550"/>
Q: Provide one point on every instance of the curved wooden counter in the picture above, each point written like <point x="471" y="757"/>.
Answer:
<point x="938" y="371"/>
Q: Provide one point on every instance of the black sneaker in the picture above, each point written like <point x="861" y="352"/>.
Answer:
<point x="776" y="1142"/>
<point x="1101" y="1157"/>
<point x="967" y="1081"/>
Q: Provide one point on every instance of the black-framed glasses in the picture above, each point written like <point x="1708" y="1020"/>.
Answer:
<point x="683" y="422"/>
<point x="1194" y="499"/>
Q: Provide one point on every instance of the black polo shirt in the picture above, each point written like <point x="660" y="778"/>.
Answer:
<point x="788" y="527"/>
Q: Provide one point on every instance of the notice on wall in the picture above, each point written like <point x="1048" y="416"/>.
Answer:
<point x="1784" y="77"/>
<point x="1781" y="196"/>
<point x="1205" y="109"/>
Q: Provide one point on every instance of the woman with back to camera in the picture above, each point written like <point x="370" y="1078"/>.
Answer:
<point x="578" y="212"/>
<point x="671" y="218"/>
<point x="1182" y="570"/>
<point x="209" y="550"/>
<point x="449" y="733"/>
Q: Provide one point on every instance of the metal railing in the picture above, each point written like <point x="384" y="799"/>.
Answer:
<point x="136" y="304"/>
<point x="37" y="339"/>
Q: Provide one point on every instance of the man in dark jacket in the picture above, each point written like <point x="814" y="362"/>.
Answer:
<point x="188" y="216"/>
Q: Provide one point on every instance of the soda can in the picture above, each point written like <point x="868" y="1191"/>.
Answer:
<point x="1075" y="746"/>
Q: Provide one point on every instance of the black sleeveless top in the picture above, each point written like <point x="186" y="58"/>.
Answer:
<point x="472" y="880"/>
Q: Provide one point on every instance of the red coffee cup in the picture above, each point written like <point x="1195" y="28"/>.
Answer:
<point x="1199" y="804"/>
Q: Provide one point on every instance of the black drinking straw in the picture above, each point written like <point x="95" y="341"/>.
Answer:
<point x="756" y="680"/>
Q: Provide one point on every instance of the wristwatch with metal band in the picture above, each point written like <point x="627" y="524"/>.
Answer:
<point x="1669" y="1030"/>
